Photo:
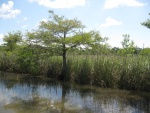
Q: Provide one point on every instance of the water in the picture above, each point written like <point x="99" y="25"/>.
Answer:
<point x="34" y="95"/>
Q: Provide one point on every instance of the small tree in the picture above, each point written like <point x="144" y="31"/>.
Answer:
<point x="127" y="45"/>
<point x="146" y="23"/>
<point x="61" y="34"/>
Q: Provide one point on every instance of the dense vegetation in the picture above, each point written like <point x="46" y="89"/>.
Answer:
<point x="61" y="49"/>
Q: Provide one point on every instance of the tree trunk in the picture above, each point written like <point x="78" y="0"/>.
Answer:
<point x="64" y="66"/>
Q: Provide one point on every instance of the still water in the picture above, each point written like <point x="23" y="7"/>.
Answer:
<point x="36" y="95"/>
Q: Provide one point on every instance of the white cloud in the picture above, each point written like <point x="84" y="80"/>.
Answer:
<point x="115" y="3"/>
<point x="7" y="11"/>
<point x="1" y="36"/>
<point x="25" y="18"/>
<point x="24" y="26"/>
<point x="45" y="20"/>
<point x="60" y="3"/>
<point x="110" y="22"/>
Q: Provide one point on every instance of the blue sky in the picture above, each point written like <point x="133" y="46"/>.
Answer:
<point x="112" y="18"/>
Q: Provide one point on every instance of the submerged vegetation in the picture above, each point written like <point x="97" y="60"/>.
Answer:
<point x="60" y="49"/>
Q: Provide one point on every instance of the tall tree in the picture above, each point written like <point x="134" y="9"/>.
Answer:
<point x="147" y="23"/>
<point x="61" y="34"/>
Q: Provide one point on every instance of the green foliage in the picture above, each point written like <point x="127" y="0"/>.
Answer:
<point x="7" y="61"/>
<point x="83" y="71"/>
<point x="4" y="61"/>
<point x="12" y="39"/>
<point x="146" y="23"/>
<point x="25" y="60"/>
<point x="128" y="46"/>
<point x="2" y="48"/>
<point x="115" y="50"/>
<point x="60" y="35"/>
<point x="130" y="72"/>
<point x="30" y="58"/>
<point x="145" y="51"/>
<point x="53" y="67"/>
<point x="104" y="72"/>
<point x="59" y="31"/>
<point x="126" y="41"/>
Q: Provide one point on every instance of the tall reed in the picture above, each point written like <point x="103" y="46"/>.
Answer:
<point x="122" y="72"/>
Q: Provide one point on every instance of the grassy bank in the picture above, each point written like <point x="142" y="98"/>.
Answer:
<point x="131" y="72"/>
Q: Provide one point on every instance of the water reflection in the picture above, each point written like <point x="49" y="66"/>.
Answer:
<point x="34" y="95"/>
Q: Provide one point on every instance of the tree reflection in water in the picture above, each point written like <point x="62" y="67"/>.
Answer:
<point x="34" y="95"/>
<point x="37" y="104"/>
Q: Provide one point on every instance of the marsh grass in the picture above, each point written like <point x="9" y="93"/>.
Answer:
<point x="119" y="72"/>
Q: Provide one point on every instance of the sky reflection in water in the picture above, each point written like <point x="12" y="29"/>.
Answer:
<point x="33" y="95"/>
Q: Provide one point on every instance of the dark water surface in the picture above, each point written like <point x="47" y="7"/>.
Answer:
<point x="35" y="95"/>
